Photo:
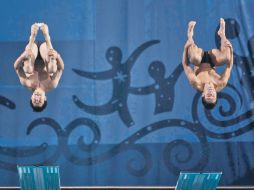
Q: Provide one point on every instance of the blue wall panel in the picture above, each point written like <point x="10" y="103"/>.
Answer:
<point x="124" y="112"/>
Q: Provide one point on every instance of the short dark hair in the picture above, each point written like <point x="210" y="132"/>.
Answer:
<point x="208" y="105"/>
<point x="37" y="108"/>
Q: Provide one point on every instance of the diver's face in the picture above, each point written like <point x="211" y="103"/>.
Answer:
<point x="38" y="97"/>
<point x="209" y="93"/>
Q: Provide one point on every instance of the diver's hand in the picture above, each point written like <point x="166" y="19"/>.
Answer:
<point x="53" y="53"/>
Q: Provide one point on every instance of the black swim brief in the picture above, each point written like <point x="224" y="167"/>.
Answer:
<point x="206" y="58"/>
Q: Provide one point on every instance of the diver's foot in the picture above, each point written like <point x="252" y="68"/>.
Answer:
<point x="191" y="26"/>
<point x="221" y="31"/>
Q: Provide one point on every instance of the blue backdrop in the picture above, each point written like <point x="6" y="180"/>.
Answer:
<point x="124" y="112"/>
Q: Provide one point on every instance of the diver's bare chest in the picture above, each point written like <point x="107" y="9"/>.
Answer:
<point x="36" y="78"/>
<point x="208" y="76"/>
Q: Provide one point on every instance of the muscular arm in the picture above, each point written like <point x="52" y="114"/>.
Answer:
<point x="19" y="60"/>
<point x="60" y="63"/>
<point x="24" y="58"/>
<point x="18" y="66"/>
<point x="194" y="81"/>
<point x="55" y="79"/>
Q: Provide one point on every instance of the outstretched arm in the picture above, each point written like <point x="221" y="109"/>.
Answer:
<point x="226" y="74"/>
<point x="195" y="82"/>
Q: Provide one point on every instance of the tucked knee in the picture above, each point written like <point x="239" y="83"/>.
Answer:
<point x="228" y="56"/>
<point x="195" y="58"/>
<point x="224" y="56"/>
<point x="194" y="54"/>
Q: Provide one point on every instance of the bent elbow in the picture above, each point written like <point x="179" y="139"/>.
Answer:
<point x="15" y="66"/>
<point x="223" y="83"/>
